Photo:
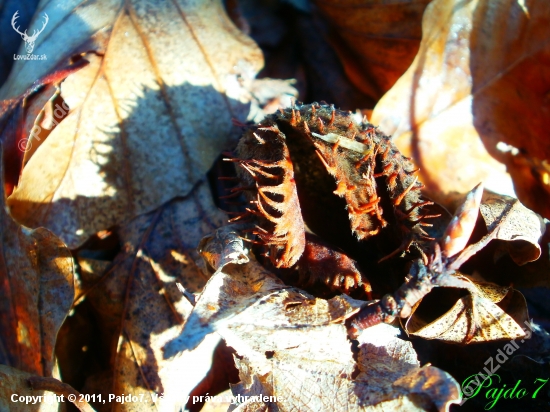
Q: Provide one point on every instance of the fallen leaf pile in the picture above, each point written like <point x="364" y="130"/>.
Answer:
<point x="141" y="270"/>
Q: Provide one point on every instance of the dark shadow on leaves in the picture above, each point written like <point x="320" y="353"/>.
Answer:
<point x="137" y="299"/>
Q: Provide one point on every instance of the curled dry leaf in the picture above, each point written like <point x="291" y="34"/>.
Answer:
<point x="212" y="307"/>
<point x="477" y="317"/>
<point x="140" y="307"/>
<point x="147" y="117"/>
<point x="226" y="247"/>
<point x="375" y="40"/>
<point x="460" y="227"/>
<point x="472" y="317"/>
<point x="507" y="219"/>
<point x="36" y="285"/>
<point x="514" y="223"/>
<point x="17" y="120"/>
<point x="481" y="72"/>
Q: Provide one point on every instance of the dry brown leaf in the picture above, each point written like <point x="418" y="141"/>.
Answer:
<point x="508" y="220"/>
<point x="476" y="317"/>
<point x="17" y="120"/>
<point x="514" y="223"/>
<point x="14" y="381"/>
<point x="225" y="247"/>
<point x="243" y="285"/>
<point x="140" y="307"/>
<point x="147" y="117"/>
<point x="318" y="372"/>
<point x="481" y="71"/>
<point x="295" y="347"/>
<point x="238" y="288"/>
<point x="37" y="290"/>
<point x="532" y="274"/>
<point x="511" y="94"/>
<point x="375" y="40"/>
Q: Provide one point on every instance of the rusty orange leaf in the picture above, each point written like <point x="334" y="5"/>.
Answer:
<point x="36" y="284"/>
<point x="472" y="106"/>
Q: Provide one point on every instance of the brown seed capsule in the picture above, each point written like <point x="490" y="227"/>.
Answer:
<point x="292" y="157"/>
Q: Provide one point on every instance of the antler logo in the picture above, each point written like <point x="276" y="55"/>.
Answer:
<point x="29" y="40"/>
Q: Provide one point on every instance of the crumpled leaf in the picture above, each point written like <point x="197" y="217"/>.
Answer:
<point x="487" y="313"/>
<point x="293" y="346"/>
<point x="387" y="375"/>
<point x="226" y="246"/>
<point x="212" y="309"/>
<point x="532" y="274"/>
<point x="147" y="117"/>
<point x="15" y="381"/>
<point x="507" y="219"/>
<point x="481" y="71"/>
<point x="140" y="307"/>
<point x="513" y="222"/>
<point x="36" y="285"/>
<point x="17" y="120"/>
<point x="375" y="40"/>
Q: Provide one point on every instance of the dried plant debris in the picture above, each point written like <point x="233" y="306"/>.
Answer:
<point x="471" y="106"/>
<point x="321" y="374"/>
<point x="283" y="164"/>
<point x="336" y="258"/>
<point x="297" y="143"/>
<point x="477" y="317"/>
<point x="226" y="247"/>
<point x="311" y="164"/>
<point x="36" y="285"/>
<point x="137" y="302"/>
<point x="514" y="223"/>
<point x="293" y="351"/>
<point x="142" y="89"/>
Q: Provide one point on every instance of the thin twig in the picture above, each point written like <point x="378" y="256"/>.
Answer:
<point x="60" y="388"/>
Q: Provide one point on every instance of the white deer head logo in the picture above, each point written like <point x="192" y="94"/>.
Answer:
<point x="29" y="40"/>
